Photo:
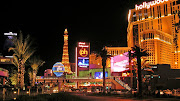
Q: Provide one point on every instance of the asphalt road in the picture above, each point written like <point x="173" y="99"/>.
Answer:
<point x="113" y="98"/>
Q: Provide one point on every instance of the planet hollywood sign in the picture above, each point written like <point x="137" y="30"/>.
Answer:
<point x="83" y="51"/>
<point x="149" y="4"/>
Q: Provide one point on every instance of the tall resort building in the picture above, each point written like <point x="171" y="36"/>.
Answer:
<point x="152" y="26"/>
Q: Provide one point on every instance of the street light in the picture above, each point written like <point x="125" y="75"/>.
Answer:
<point x="15" y="92"/>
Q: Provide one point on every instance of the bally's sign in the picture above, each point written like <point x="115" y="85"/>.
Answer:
<point x="149" y="4"/>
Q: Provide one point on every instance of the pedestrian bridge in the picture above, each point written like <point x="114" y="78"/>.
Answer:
<point x="116" y="83"/>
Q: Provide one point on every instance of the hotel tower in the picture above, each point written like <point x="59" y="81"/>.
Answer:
<point x="152" y="26"/>
<point x="65" y="57"/>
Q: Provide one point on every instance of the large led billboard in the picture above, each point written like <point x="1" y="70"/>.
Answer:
<point x="120" y="63"/>
<point x="83" y="51"/>
<point x="99" y="75"/>
<point x="83" y="62"/>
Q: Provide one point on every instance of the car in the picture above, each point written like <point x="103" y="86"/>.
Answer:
<point x="167" y="92"/>
<point x="176" y="92"/>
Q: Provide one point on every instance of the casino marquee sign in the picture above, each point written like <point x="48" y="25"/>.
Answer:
<point x="83" y="51"/>
<point x="147" y="5"/>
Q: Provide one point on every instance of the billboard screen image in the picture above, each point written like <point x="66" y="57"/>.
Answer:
<point x="120" y="63"/>
<point x="99" y="75"/>
<point x="83" y="62"/>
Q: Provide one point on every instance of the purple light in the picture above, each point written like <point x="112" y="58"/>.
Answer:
<point x="120" y="63"/>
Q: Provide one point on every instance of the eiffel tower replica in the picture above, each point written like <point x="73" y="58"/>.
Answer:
<point x="65" y="57"/>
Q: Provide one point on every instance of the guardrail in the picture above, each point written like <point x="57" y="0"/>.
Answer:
<point x="123" y="84"/>
<point x="64" y="78"/>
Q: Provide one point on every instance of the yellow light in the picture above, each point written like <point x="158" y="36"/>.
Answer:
<point x="27" y="92"/>
<point x="129" y="15"/>
<point x="156" y="38"/>
<point x="15" y="92"/>
<point x="66" y="32"/>
<point x="121" y="54"/>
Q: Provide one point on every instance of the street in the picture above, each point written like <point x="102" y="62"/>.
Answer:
<point x="80" y="96"/>
<point x="115" y="98"/>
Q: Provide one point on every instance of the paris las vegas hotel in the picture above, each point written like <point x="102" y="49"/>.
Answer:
<point x="151" y="25"/>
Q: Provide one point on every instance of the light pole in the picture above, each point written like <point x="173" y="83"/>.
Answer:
<point x="131" y="74"/>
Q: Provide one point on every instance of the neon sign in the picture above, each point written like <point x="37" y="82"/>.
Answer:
<point x="83" y="44"/>
<point x="83" y="51"/>
<point x="10" y="33"/>
<point x="58" y="69"/>
<point x="149" y="4"/>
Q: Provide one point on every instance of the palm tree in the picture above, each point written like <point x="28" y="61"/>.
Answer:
<point x="13" y="77"/>
<point x="144" y="65"/>
<point x="22" y="52"/>
<point x="30" y="74"/>
<point x="138" y="53"/>
<point x="35" y="63"/>
<point x="104" y="57"/>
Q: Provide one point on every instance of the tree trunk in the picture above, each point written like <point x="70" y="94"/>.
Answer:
<point x="104" y="66"/>
<point x="139" y="76"/>
<point x="34" y="77"/>
<point x="4" y="94"/>
<point x="19" y="77"/>
<point x="22" y="76"/>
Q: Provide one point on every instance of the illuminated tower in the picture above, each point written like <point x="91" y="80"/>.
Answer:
<point x="65" y="57"/>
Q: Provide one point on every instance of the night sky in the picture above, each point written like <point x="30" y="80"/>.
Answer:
<point x="100" y="23"/>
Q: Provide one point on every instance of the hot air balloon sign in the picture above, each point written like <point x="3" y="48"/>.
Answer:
<point x="58" y="69"/>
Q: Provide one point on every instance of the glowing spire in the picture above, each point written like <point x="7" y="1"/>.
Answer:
<point x="65" y="56"/>
<point x="66" y="32"/>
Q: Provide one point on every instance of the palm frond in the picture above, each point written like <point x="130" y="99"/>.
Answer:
<point x="35" y="63"/>
<point x="15" y="61"/>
